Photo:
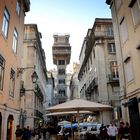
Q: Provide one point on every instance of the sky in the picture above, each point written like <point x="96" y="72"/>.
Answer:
<point x="74" y="17"/>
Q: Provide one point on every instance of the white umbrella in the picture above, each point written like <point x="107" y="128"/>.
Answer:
<point x="79" y="105"/>
<point x="67" y="112"/>
<point x="63" y="123"/>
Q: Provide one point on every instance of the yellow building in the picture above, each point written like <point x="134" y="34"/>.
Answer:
<point x="126" y="25"/>
<point x="12" y="13"/>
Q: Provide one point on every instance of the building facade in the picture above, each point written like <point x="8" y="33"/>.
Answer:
<point x="61" y="50"/>
<point x="74" y="82"/>
<point x="12" y="14"/>
<point x="32" y="93"/>
<point x="98" y="74"/>
<point x="50" y="89"/>
<point x="126" y="25"/>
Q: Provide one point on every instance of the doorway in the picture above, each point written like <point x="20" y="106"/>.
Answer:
<point x="10" y="127"/>
<point x="0" y="124"/>
<point x="134" y="118"/>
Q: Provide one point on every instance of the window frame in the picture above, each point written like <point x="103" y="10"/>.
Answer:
<point x="114" y="69"/>
<point x="15" y="40"/>
<point x="123" y="25"/>
<point x="133" y="12"/>
<point x="2" y="70"/>
<point x="18" y="7"/>
<point x="12" y="83"/>
<point x="128" y="63"/>
<point x="131" y="3"/>
<point x="111" y="48"/>
<point x="61" y="81"/>
<point x="61" y="62"/>
<point x="5" y="22"/>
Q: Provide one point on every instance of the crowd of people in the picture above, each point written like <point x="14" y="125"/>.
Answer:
<point x="111" y="132"/>
<point x="51" y="132"/>
<point x="48" y="132"/>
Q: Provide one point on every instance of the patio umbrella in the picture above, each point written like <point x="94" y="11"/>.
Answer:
<point x="67" y="112"/>
<point x="63" y="123"/>
<point x="79" y="105"/>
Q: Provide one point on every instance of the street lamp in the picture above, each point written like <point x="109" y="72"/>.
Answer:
<point x="34" y="77"/>
<point x="23" y="114"/>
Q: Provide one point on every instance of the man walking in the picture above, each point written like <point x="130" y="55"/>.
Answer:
<point x="112" y="131"/>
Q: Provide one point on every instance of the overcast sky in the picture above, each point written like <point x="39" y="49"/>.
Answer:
<point x="74" y="17"/>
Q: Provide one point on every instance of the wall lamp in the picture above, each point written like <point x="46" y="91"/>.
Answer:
<point x="20" y="70"/>
<point x="34" y="77"/>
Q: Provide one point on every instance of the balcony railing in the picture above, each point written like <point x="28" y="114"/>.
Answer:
<point x="28" y="36"/>
<point x="103" y="34"/>
<point x="92" y="85"/>
<point x="62" y="51"/>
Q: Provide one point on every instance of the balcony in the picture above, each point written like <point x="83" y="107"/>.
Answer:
<point x="30" y="36"/>
<point x="61" y="51"/>
<point x="103" y="34"/>
<point x="92" y="85"/>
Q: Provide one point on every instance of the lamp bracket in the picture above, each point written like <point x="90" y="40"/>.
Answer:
<point x="20" y="70"/>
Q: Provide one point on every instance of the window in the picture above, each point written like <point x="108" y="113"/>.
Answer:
<point x="62" y="92"/>
<point x="136" y="13"/>
<point x="114" y="69"/>
<point x="18" y="7"/>
<point x="2" y="68"/>
<point x="123" y="30"/>
<point x="128" y="70"/>
<point x="111" y="48"/>
<point x="12" y="83"/>
<point x="110" y="31"/>
<point x="15" y="40"/>
<point x="5" y="22"/>
<point x="61" y="62"/>
<point x="66" y="39"/>
<point x="131" y="2"/>
<point x="61" y="81"/>
<point x="61" y="71"/>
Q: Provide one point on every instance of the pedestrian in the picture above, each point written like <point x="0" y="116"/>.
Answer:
<point x="43" y="129"/>
<point x="112" y="131"/>
<point x="27" y="134"/>
<point x="51" y="129"/>
<point x="18" y="132"/>
<point x="121" y="131"/>
<point x="127" y="131"/>
<point x="103" y="133"/>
